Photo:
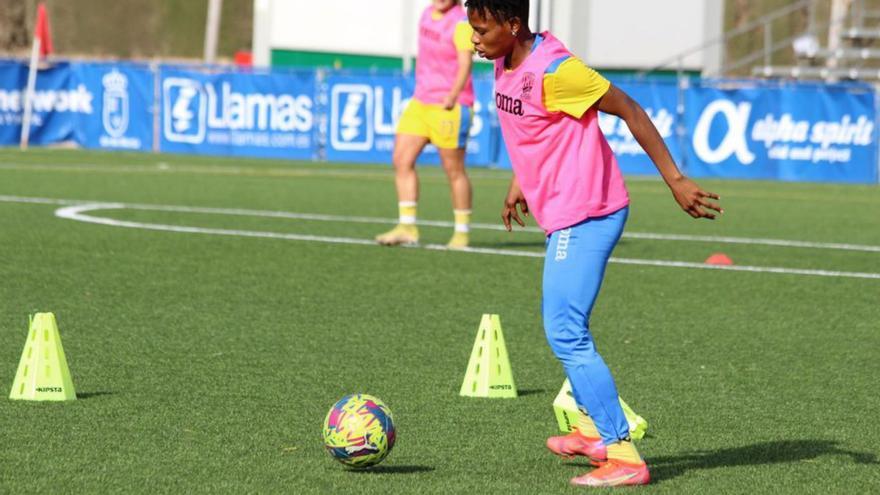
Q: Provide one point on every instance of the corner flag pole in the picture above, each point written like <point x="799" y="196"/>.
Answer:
<point x="29" y="95"/>
<point x="42" y="46"/>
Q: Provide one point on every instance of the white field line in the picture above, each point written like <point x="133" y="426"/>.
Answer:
<point x="78" y="213"/>
<point x="377" y="173"/>
<point x="368" y="172"/>
<point x="444" y="224"/>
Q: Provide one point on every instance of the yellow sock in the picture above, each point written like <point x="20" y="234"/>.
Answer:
<point x="462" y="221"/>
<point x="586" y="426"/>
<point x="625" y="451"/>
<point x="408" y="210"/>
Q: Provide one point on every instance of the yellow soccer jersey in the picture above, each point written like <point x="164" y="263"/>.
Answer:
<point x="462" y="37"/>
<point x="572" y="87"/>
<point x="463" y="33"/>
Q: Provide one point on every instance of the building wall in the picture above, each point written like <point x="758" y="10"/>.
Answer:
<point x="638" y="34"/>
<point x="606" y="33"/>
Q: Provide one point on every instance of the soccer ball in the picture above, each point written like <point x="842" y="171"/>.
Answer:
<point x="359" y="431"/>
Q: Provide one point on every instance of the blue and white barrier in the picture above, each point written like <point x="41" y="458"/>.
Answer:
<point x="726" y="129"/>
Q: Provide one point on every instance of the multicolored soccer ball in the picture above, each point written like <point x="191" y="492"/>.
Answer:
<point x="359" y="431"/>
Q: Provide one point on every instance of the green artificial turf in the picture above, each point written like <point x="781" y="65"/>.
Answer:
<point x="206" y="363"/>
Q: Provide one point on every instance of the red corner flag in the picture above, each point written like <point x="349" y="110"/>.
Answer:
<point x="41" y="30"/>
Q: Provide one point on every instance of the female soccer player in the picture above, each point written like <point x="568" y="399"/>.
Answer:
<point x="440" y="113"/>
<point x="566" y="175"/>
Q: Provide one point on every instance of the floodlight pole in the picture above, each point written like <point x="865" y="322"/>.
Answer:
<point x="212" y="30"/>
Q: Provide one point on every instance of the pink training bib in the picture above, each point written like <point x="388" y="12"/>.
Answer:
<point x="437" y="60"/>
<point x="564" y="166"/>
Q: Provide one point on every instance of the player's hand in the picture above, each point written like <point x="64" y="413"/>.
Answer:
<point x="694" y="200"/>
<point x="514" y="197"/>
<point x="449" y="101"/>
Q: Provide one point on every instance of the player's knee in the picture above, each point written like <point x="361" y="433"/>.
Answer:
<point x="570" y="342"/>
<point x="454" y="170"/>
<point x="401" y="162"/>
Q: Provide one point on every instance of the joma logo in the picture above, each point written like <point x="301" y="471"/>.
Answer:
<point x="509" y="104"/>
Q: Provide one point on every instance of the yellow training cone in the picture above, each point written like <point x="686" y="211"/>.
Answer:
<point x="567" y="412"/>
<point x="488" y="372"/>
<point x="42" y="372"/>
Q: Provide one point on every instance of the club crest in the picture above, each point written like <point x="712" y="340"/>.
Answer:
<point x="528" y="83"/>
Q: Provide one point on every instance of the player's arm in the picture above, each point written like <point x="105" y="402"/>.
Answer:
<point x="514" y="197"/>
<point x="692" y="199"/>
<point x="463" y="33"/>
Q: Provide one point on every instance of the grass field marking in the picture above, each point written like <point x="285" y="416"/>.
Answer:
<point x="434" y="174"/>
<point x="679" y="264"/>
<point x="498" y="227"/>
<point x="445" y="224"/>
<point x="78" y="213"/>
<point x="39" y="201"/>
<point x="383" y="173"/>
<point x="755" y="241"/>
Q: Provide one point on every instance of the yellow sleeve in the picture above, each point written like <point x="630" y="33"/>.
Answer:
<point x="462" y="37"/>
<point x="573" y="88"/>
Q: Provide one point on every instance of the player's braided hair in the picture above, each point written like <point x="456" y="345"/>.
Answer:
<point x="501" y="10"/>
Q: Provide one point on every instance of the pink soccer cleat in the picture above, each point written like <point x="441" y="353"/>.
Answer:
<point x="615" y="473"/>
<point x="575" y="444"/>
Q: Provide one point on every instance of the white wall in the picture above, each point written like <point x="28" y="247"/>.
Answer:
<point x="638" y="34"/>
<point x="365" y="27"/>
<point x="610" y="34"/>
<point x="350" y="26"/>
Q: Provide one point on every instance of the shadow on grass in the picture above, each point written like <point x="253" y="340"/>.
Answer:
<point x="669" y="467"/>
<point x="92" y="395"/>
<point x="393" y="470"/>
<point x="531" y="391"/>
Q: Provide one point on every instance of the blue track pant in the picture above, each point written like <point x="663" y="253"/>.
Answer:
<point x="573" y="272"/>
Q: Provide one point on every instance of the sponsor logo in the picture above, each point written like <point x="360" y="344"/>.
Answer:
<point x="364" y="117"/>
<point x="186" y="110"/>
<point x="351" y="128"/>
<point x="77" y="100"/>
<point x="562" y="244"/>
<point x="734" y="142"/>
<point x="196" y="112"/>
<point x="49" y="389"/>
<point x="783" y="136"/>
<point x="360" y="119"/>
<point x="431" y="34"/>
<point x="509" y="104"/>
<point x="620" y="138"/>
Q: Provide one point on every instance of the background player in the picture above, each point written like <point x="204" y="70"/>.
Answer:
<point x="440" y="113"/>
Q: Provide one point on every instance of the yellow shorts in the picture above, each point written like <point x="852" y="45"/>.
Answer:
<point x="447" y="129"/>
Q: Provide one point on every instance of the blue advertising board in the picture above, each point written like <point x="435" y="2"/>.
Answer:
<point x="59" y="102"/>
<point x="268" y="115"/>
<point x="797" y="132"/>
<point x="123" y="107"/>
<point x="660" y="101"/>
<point x="726" y="129"/>
<point x="364" y="111"/>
